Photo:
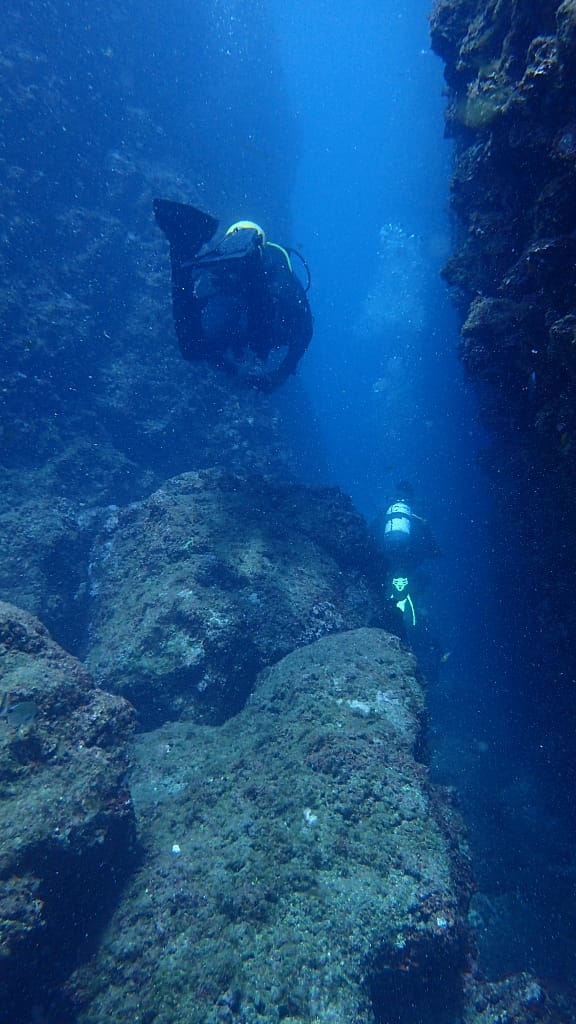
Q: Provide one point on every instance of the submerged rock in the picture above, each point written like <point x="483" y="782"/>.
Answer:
<point x="298" y="863"/>
<point x="521" y="998"/>
<point x="215" y="576"/>
<point x="510" y="110"/>
<point x="66" y="817"/>
<point x="43" y="555"/>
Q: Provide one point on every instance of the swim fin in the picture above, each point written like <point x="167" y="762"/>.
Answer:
<point x="186" y="228"/>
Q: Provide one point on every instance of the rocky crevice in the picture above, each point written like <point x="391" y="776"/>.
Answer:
<point x="511" y="109"/>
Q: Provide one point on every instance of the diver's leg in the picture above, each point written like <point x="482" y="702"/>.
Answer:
<point x="187" y="314"/>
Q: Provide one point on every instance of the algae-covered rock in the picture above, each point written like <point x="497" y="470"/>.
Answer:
<point x="214" y="577"/>
<point x="66" y="818"/>
<point x="298" y="864"/>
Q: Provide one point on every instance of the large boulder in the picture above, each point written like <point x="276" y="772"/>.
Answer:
<point x="299" y="866"/>
<point x="66" y="817"/>
<point x="196" y="589"/>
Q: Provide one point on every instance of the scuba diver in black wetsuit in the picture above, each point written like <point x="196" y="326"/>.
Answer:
<point x="236" y="300"/>
<point x="406" y="540"/>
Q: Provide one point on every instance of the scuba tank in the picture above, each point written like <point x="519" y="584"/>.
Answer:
<point x="397" y="525"/>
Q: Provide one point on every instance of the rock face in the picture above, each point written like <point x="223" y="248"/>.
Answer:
<point x="520" y="998"/>
<point x="511" y="73"/>
<point x="214" y="577"/>
<point x="66" y="817"/>
<point x="43" y="563"/>
<point x="95" y="398"/>
<point x="96" y="404"/>
<point x="511" y="110"/>
<point x="298" y="863"/>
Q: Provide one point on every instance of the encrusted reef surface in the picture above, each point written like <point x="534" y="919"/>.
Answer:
<point x="511" y="74"/>
<point x="213" y="577"/>
<point x="67" y="827"/>
<point x="511" y="70"/>
<point x="520" y="999"/>
<point x="298" y="864"/>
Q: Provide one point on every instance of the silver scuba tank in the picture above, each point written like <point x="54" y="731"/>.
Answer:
<point x="397" y="525"/>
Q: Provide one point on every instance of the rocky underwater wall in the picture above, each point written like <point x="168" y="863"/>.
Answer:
<point x="510" y="70"/>
<point x="269" y="846"/>
<point x="103" y="107"/>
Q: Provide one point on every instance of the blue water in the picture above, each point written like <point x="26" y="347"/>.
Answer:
<point x="349" y="164"/>
<point x="371" y="213"/>
<point x="370" y="210"/>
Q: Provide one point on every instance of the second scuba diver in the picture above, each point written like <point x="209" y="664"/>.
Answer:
<point x="406" y="540"/>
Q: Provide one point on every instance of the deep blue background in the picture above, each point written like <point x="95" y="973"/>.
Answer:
<point x="385" y="380"/>
<point x="383" y="371"/>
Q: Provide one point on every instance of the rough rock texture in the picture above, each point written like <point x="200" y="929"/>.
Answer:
<point x="44" y="548"/>
<point x="298" y="864"/>
<point x="511" y="72"/>
<point x="94" y="396"/>
<point x="215" y="576"/>
<point x="512" y="105"/>
<point x="520" y="999"/>
<point x="96" y="404"/>
<point x="66" y="818"/>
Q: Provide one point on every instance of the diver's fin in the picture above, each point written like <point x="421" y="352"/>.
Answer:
<point x="186" y="228"/>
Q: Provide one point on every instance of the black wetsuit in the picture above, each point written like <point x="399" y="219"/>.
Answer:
<point x="236" y="300"/>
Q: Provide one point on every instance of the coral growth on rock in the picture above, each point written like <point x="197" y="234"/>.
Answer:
<point x="298" y="861"/>
<point x="66" y="816"/>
